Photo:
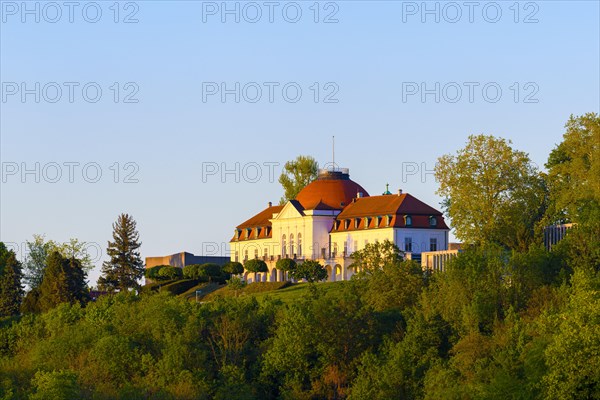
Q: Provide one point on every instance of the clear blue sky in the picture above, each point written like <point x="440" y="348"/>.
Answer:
<point x="373" y="61"/>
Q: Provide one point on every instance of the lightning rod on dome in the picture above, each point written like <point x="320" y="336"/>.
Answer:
<point x="333" y="153"/>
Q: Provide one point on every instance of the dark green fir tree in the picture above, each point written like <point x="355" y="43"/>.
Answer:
<point x="125" y="266"/>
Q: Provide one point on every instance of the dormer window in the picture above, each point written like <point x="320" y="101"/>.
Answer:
<point x="346" y="224"/>
<point x="257" y="231"/>
<point x="238" y="233"/>
<point x="367" y="222"/>
<point x="248" y="232"/>
<point x="432" y="221"/>
<point x="356" y="222"/>
<point x="407" y="220"/>
<point x="378" y="222"/>
<point x="388" y="221"/>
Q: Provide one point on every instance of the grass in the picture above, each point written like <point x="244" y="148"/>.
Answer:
<point x="204" y="287"/>
<point x="284" y="291"/>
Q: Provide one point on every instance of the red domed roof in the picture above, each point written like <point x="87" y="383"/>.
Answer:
<point x="332" y="189"/>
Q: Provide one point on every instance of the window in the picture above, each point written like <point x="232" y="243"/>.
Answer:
<point x="346" y="224"/>
<point x="292" y="245"/>
<point x="407" y="244"/>
<point x="335" y="250"/>
<point x="300" y="244"/>
<point x="432" y="221"/>
<point x="266" y="252"/>
<point x="283" y="246"/>
<point x="388" y="221"/>
<point x="245" y="255"/>
<point x="255" y="253"/>
<point x="378" y="222"/>
<point x="345" y="248"/>
<point x="248" y="232"/>
<point x="237" y="256"/>
<point x="356" y="222"/>
<point x="432" y="244"/>
<point x="407" y="220"/>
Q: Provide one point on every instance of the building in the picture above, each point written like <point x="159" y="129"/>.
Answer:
<point x="182" y="259"/>
<point x="554" y="234"/>
<point x="330" y="219"/>
<point x="436" y="261"/>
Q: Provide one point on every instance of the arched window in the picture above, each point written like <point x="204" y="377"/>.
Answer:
<point x="283" y="246"/>
<point x="300" y="244"/>
<point x="292" y="245"/>
<point x="407" y="220"/>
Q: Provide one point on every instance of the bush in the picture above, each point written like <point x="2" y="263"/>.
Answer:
<point x="209" y="272"/>
<point x="233" y="268"/>
<point x="191" y="271"/>
<point x="179" y="287"/>
<point x="152" y="273"/>
<point x="168" y="272"/>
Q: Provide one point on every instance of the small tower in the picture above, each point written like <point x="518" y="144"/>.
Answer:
<point x="387" y="190"/>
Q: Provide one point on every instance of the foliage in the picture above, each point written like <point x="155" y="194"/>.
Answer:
<point x="236" y="283"/>
<point x="573" y="171"/>
<point x="11" y="290"/>
<point x="492" y="193"/>
<point x="296" y="175"/>
<point x="374" y="256"/>
<point x="179" y="286"/>
<point x="256" y="265"/>
<point x="310" y="270"/>
<point x="233" y="268"/>
<point x="152" y="272"/>
<point x="167" y="273"/>
<point x="64" y="282"/>
<point x="55" y="385"/>
<point x="38" y="251"/>
<point x="125" y="266"/>
<point x="287" y="265"/>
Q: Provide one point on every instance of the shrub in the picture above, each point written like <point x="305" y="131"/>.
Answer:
<point x="179" y="287"/>
<point x="152" y="273"/>
<point x="191" y="271"/>
<point x="168" y="272"/>
<point x="233" y="268"/>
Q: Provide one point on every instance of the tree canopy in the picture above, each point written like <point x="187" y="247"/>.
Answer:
<point x="296" y="175"/>
<point x="492" y="192"/>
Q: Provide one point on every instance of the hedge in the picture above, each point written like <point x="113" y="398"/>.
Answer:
<point x="180" y="286"/>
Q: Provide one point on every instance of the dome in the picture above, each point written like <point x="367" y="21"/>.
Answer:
<point x="331" y="189"/>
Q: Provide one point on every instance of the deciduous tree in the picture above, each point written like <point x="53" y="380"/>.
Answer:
<point x="296" y="175"/>
<point x="492" y="192"/>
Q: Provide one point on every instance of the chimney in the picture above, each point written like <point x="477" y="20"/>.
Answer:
<point x="399" y="192"/>
<point x="270" y="204"/>
<point x="359" y="195"/>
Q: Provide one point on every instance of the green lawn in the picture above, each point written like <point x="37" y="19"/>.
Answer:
<point x="287" y="294"/>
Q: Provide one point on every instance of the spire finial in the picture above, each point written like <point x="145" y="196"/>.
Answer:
<point x="333" y="152"/>
<point x="387" y="189"/>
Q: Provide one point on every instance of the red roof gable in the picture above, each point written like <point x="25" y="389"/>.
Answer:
<point x="366" y="210"/>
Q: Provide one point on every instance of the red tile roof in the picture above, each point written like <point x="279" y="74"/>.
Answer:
<point x="396" y="206"/>
<point x="261" y="220"/>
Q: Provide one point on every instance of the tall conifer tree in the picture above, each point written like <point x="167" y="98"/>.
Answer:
<point x="11" y="290"/>
<point x="125" y="266"/>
